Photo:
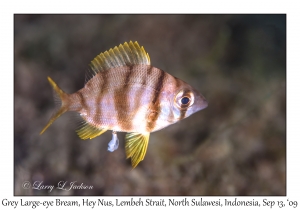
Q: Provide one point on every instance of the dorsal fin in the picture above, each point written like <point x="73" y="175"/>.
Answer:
<point x="123" y="55"/>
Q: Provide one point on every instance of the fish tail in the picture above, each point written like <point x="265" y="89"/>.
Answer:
<point x="61" y="99"/>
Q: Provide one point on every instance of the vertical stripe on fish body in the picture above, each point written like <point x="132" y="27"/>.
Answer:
<point x="124" y="93"/>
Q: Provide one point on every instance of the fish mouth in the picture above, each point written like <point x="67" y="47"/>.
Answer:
<point x="203" y="103"/>
<point x="200" y="102"/>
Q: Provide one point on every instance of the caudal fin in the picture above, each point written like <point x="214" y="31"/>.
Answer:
<point x="61" y="97"/>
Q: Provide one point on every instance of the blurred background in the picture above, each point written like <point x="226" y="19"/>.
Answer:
<point x="236" y="146"/>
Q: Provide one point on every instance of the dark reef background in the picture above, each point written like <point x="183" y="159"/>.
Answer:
<point x="236" y="146"/>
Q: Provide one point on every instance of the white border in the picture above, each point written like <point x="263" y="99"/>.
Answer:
<point x="8" y="8"/>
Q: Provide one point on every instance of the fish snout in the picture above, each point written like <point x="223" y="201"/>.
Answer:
<point x="200" y="102"/>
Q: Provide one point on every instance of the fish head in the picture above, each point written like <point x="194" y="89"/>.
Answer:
<point x="179" y="101"/>
<point x="187" y="101"/>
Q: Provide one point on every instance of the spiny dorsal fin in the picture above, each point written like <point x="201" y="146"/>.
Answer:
<point x="87" y="131"/>
<point x="124" y="55"/>
<point x="136" y="147"/>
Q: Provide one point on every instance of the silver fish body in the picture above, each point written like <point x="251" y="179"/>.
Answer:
<point x="126" y="93"/>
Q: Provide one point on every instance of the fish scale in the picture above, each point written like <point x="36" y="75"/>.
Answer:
<point x="125" y="93"/>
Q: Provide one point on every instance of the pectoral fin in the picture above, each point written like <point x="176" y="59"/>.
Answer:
<point x="87" y="131"/>
<point x="136" y="147"/>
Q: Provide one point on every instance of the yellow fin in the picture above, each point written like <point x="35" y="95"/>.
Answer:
<point x="87" y="131"/>
<point x="61" y="98"/>
<point x="126" y="54"/>
<point x="136" y="147"/>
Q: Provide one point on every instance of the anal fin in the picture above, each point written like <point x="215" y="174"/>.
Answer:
<point x="136" y="147"/>
<point x="88" y="131"/>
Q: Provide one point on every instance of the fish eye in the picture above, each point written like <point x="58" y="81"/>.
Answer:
<point x="184" y="99"/>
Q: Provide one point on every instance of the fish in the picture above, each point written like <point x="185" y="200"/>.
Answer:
<point x="123" y="92"/>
